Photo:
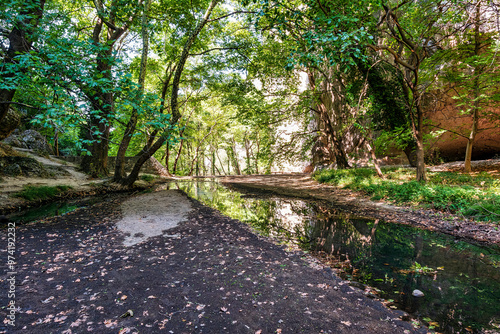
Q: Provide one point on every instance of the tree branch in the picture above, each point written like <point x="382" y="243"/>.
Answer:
<point x="19" y="104"/>
<point x="213" y="49"/>
<point x="230" y="14"/>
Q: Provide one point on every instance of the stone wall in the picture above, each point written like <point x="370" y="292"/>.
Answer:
<point x="129" y="164"/>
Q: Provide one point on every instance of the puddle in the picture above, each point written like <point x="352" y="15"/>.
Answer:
<point x="460" y="281"/>
<point x="50" y="210"/>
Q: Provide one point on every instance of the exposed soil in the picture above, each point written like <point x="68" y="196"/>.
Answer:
<point x="62" y="174"/>
<point x="210" y="274"/>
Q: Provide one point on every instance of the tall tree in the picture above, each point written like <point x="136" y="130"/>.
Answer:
<point x="134" y="117"/>
<point x="472" y="70"/>
<point x="112" y="23"/>
<point x="148" y="151"/>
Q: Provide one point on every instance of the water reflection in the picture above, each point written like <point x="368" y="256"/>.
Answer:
<point x="461" y="281"/>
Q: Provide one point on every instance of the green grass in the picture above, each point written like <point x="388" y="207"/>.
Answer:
<point x="148" y="177"/>
<point x="32" y="193"/>
<point x="476" y="196"/>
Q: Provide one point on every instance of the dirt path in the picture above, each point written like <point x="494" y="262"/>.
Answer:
<point x="210" y="274"/>
<point x="69" y="177"/>
<point x="302" y="186"/>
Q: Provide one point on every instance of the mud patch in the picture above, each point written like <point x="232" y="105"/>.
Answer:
<point x="152" y="214"/>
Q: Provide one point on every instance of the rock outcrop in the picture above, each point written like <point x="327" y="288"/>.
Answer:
<point x="30" y="139"/>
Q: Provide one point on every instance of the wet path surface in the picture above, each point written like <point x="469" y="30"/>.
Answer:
<point x="210" y="275"/>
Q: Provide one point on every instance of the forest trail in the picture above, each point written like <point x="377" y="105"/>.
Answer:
<point x="69" y="175"/>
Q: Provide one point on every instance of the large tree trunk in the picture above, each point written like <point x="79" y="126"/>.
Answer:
<point x="20" y="42"/>
<point x="100" y="97"/>
<point x="332" y="115"/>
<point x="162" y="171"/>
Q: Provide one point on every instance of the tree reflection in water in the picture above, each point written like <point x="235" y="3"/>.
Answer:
<point x="461" y="281"/>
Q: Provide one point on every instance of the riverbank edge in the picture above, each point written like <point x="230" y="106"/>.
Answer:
<point x="355" y="203"/>
<point x="11" y="204"/>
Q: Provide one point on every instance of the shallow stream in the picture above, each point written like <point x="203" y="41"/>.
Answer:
<point x="460" y="281"/>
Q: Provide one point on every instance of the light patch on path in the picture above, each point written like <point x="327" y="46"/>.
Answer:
<point x="151" y="214"/>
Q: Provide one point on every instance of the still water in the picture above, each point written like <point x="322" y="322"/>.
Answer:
<point x="460" y="281"/>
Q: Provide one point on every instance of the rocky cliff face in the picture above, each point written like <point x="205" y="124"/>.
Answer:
<point x="445" y="115"/>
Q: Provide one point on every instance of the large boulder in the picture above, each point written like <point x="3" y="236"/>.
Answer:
<point x="9" y="123"/>
<point x="22" y="166"/>
<point x="30" y="139"/>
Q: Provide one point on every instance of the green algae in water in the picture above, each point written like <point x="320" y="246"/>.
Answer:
<point x="49" y="210"/>
<point x="460" y="281"/>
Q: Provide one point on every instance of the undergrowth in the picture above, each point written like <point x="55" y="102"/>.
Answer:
<point x="147" y="177"/>
<point x="476" y="196"/>
<point x="32" y="193"/>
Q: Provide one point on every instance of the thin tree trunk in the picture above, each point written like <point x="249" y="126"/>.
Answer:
<point x="56" y="142"/>
<point x="167" y="158"/>
<point x="419" y="138"/>
<point x="213" y="163"/>
<point x="132" y="123"/>
<point x="198" y="148"/>
<point x="234" y="157"/>
<point x="374" y="158"/>
<point x="257" y="155"/>
<point x="475" y="112"/>
<point x="247" y="150"/>
<point x="220" y="162"/>
<point x="149" y="151"/>
<point x="178" y="156"/>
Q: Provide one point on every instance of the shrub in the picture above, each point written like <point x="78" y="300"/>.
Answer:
<point x="147" y="177"/>
<point x="475" y="196"/>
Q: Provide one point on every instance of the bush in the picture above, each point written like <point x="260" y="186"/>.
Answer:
<point x="475" y="196"/>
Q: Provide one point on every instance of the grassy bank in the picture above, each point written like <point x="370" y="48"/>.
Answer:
<point x="476" y="196"/>
<point x="32" y="193"/>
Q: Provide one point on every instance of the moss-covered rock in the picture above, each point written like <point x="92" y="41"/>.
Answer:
<point x="22" y="166"/>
